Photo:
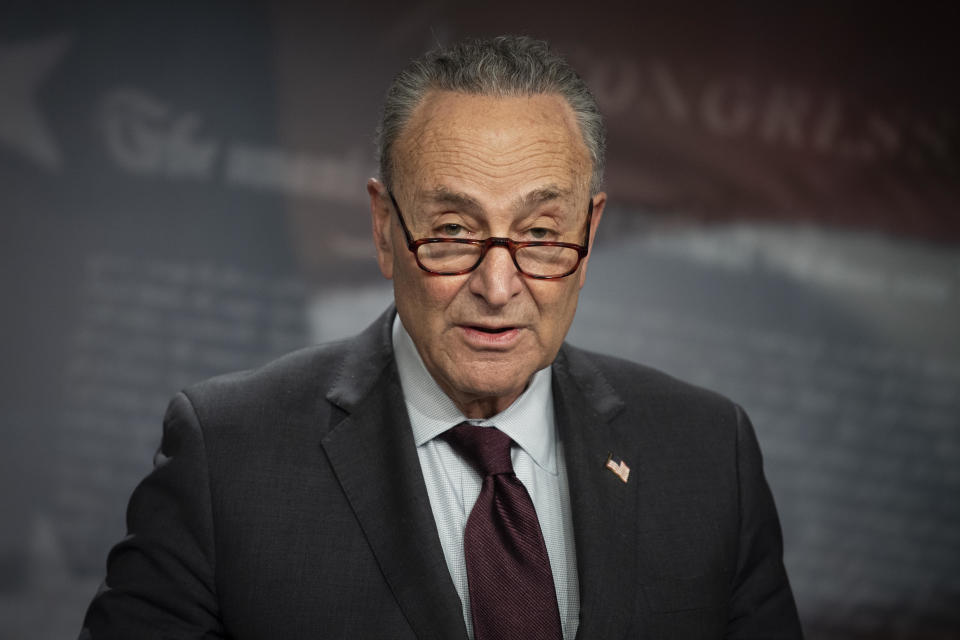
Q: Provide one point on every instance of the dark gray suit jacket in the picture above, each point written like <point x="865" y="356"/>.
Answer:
<point x="288" y="502"/>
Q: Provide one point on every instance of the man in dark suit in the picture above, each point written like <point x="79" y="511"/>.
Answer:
<point x="456" y="470"/>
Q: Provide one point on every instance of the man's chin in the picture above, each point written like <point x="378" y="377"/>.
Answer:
<point x="499" y="391"/>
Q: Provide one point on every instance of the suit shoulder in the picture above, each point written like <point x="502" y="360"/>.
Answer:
<point x="641" y="402"/>
<point x="631" y="380"/>
<point x="299" y="377"/>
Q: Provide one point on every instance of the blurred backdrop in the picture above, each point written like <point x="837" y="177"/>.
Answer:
<point x="182" y="194"/>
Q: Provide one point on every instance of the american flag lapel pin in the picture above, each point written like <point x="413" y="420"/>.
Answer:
<point x="618" y="467"/>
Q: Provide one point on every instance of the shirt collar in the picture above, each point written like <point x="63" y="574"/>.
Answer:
<point x="528" y="421"/>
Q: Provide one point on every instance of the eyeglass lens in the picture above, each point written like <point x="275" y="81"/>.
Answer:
<point x="536" y="260"/>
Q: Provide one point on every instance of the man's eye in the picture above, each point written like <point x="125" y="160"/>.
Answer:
<point x="451" y="229"/>
<point x="540" y="233"/>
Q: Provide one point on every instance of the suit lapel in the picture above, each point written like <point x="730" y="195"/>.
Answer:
<point x="604" y="507"/>
<point x="370" y="447"/>
<point x="374" y="457"/>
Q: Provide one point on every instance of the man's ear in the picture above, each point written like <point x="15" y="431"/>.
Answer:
<point x="381" y="211"/>
<point x="599" y="202"/>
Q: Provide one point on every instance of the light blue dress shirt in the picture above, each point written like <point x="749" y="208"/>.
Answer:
<point x="453" y="485"/>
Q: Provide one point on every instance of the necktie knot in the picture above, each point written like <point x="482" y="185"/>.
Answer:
<point x="486" y="448"/>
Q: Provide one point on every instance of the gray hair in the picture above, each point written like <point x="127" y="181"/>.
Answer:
<point x="501" y="66"/>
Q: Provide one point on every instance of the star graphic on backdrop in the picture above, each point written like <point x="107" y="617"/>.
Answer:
<point x="23" y="68"/>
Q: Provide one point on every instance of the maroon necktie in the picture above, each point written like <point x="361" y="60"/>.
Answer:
<point x="508" y="571"/>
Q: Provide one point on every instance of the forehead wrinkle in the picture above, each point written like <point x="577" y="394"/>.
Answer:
<point x="547" y="166"/>
<point x="510" y="139"/>
<point x="442" y="146"/>
<point x="464" y="148"/>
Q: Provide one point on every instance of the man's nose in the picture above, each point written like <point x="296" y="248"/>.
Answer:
<point x="497" y="279"/>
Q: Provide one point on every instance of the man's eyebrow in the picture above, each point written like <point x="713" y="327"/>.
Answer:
<point x="455" y="199"/>
<point x="465" y="202"/>
<point x="539" y="196"/>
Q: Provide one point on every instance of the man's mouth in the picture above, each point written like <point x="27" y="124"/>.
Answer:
<point x="492" y="330"/>
<point x="487" y="337"/>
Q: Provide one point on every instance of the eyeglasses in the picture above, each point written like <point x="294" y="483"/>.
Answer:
<point x="535" y="259"/>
